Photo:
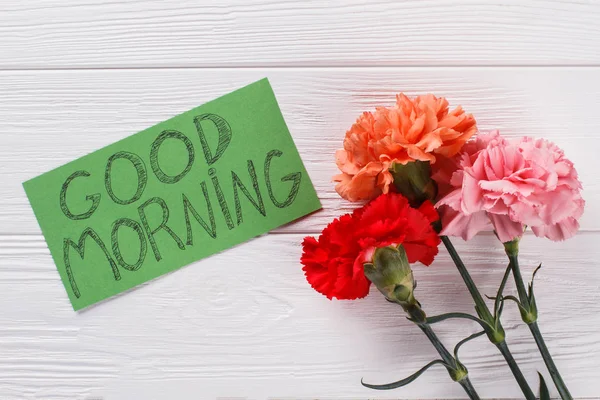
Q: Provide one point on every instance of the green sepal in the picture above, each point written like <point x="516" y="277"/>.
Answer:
<point x="459" y="372"/>
<point x="512" y="247"/>
<point x="533" y="310"/>
<point x="526" y="316"/>
<point x="390" y="272"/>
<point x="413" y="181"/>
<point x="529" y="312"/>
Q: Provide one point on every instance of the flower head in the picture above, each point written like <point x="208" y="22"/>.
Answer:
<point x="506" y="185"/>
<point x="390" y="220"/>
<point x="414" y="129"/>
<point x="334" y="264"/>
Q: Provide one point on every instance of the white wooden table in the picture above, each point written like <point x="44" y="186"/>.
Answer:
<point x="76" y="75"/>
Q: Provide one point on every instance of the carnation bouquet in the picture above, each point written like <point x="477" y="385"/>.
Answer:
<point x="425" y="174"/>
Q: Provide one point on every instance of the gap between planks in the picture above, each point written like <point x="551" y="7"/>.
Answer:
<point x="301" y="66"/>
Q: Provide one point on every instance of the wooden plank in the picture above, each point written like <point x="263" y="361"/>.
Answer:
<point x="52" y="117"/>
<point x="245" y="323"/>
<point x="43" y="34"/>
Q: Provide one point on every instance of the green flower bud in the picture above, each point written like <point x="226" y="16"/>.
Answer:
<point x="413" y="180"/>
<point x="390" y="272"/>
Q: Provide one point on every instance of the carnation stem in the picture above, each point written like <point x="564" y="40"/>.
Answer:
<point x="485" y="314"/>
<point x="535" y="330"/>
<point x="503" y="347"/>
<point x="465" y="382"/>
<point x="469" y="389"/>
<point x="448" y="359"/>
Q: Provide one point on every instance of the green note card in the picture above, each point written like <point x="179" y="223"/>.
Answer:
<point x="184" y="189"/>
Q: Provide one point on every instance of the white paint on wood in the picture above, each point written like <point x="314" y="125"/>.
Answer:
<point x="72" y="113"/>
<point x="233" y="33"/>
<point x="75" y="76"/>
<point x="245" y="323"/>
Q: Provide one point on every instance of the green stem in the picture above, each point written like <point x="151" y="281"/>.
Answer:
<point x="485" y="314"/>
<point x="468" y="387"/>
<point x="514" y="263"/>
<point x="480" y="306"/>
<point x="465" y="382"/>
<point x="535" y="330"/>
<point x="558" y="381"/>
<point x="503" y="347"/>
<point x="439" y="346"/>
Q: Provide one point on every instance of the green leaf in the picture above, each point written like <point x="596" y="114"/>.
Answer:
<point x="544" y="393"/>
<point x="532" y="279"/>
<point x="442" y="317"/>
<point x="513" y="298"/>
<point x="500" y="309"/>
<point x="498" y="298"/>
<point x="536" y="271"/>
<point x="495" y="334"/>
<point x="405" y="381"/>
<point x="531" y="296"/>
<point x="465" y="340"/>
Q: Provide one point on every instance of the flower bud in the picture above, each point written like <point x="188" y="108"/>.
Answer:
<point x="413" y="180"/>
<point x="390" y="272"/>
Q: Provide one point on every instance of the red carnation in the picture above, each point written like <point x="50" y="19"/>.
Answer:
<point x="333" y="264"/>
<point x="390" y="220"/>
<point x="330" y="263"/>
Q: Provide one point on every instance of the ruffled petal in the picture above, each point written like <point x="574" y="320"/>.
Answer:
<point x="505" y="228"/>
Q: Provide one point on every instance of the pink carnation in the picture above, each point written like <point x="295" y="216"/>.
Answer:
<point x="505" y="185"/>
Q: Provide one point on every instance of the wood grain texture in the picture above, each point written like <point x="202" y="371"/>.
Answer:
<point x="245" y="322"/>
<point x="70" y="113"/>
<point x="78" y="75"/>
<point x="187" y="33"/>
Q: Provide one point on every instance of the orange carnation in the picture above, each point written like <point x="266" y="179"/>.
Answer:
<point x="417" y="129"/>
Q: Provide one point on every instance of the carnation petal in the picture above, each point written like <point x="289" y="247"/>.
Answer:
<point x="472" y="194"/>
<point x="505" y="228"/>
<point x="415" y="153"/>
<point x="429" y="212"/>
<point x="362" y="186"/>
<point x="455" y="223"/>
<point x="420" y="252"/>
<point x="452" y="200"/>
<point x="344" y="164"/>
<point x="505" y="186"/>
<point x="430" y="142"/>
<point x="350" y="285"/>
<point x="560" y="231"/>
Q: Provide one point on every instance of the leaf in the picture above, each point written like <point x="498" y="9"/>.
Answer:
<point x="465" y="340"/>
<point x="498" y="298"/>
<point x="535" y="271"/>
<point x="544" y="393"/>
<point x="530" y="294"/>
<point x="522" y="309"/>
<point x="500" y="309"/>
<point x="405" y="381"/>
<point x="442" y="317"/>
